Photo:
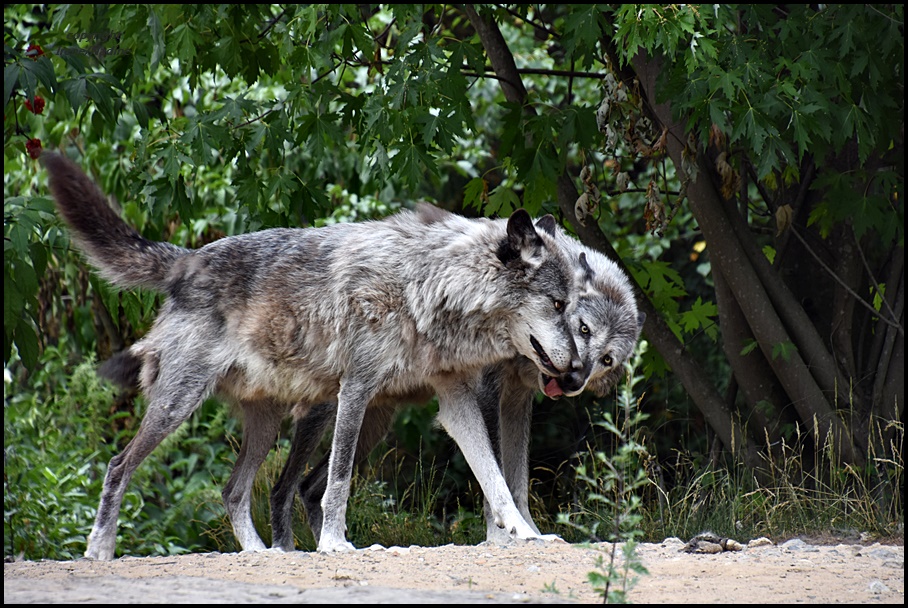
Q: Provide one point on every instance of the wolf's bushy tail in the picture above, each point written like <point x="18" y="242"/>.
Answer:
<point x="121" y="255"/>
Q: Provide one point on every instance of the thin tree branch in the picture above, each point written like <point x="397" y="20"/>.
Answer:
<point x="838" y="280"/>
<point x="875" y="284"/>
<point x="272" y="23"/>
<point x="541" y="27"/>
<point x="543" y="72"/>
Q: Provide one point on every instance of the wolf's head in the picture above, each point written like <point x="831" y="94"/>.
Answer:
<point x="605" y="320"/>
<point x="545" y="281"/>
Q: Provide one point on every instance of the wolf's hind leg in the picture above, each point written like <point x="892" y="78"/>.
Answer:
<point x="168" y="407"/>
<point x="261" y="422"/>
<point x="307" y="432"/>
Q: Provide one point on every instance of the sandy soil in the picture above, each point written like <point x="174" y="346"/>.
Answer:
<point x="524" y="572"/>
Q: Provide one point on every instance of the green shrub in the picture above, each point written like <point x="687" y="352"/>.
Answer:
<point x="58" y="440"/>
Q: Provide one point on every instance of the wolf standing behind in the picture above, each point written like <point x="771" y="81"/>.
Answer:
<point x="283" y="316"/>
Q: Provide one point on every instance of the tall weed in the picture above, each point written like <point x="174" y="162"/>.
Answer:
<point x="614" y="477"/>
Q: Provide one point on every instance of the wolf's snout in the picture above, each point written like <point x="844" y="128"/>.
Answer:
<point x="573" y="381"/>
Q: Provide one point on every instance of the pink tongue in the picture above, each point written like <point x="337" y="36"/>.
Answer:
<point x="552" y="389"/>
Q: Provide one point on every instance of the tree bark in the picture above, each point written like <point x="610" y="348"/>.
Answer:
<point x="754" y="376"/>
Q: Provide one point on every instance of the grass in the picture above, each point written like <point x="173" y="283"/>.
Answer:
<point x="785" y="498"/>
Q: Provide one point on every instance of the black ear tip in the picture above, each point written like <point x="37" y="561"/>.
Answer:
<point x="585" y="265"/>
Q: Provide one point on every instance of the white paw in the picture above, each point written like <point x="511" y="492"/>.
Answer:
<point x="334" y="545"/>
<point x="99" y="551"/>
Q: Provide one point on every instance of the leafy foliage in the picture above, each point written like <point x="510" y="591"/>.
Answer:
<point x="785" y="83"/>
<point x="56" y="444"/>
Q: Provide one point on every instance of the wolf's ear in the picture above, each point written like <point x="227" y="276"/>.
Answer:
<point x="588" y="273"/>
<point x="521" y="232"/>
<point x="522" y="242"/>
<point x="429" y="214"/>
<point x="547" y="223"/>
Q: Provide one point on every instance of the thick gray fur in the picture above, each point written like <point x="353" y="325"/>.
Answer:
<point x="345" y="313"/>
<point x="606" y="325"/>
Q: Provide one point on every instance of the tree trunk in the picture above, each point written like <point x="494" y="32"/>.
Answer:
<point x="729" y="253"/>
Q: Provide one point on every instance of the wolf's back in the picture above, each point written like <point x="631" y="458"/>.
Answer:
<point x="121" y="255"/>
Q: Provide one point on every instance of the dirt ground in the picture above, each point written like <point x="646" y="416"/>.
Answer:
<point x="523" y="572"/>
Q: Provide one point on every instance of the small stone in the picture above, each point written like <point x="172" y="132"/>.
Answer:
<point x="877" y="587"/>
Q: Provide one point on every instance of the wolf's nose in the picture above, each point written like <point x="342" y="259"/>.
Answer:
<point x="573" y="381"/>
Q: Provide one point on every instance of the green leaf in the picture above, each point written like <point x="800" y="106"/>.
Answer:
<point x="158" y="51"/>
<point x="138" y="108"/>
<point x="110" y="296"/>
<point x="181" y="200"/>
<point x="13" y="303"/>
<point x="701" y="316"/>
<point x="784" y="350"/>
<point x="132" y="307"/>
<point x="75" y="91"/>
<point x="474" y="192"/>
<point x="663" y="282"/>
<point x="103" y="98"/>
<point x="502" y="202"/>
<point x="410" y="164"/>
<point x="10" y="80"/>
<point x="185" y="40"/>
<point x="26" y="341"/>
<point x="749" y="347"/>
<point x="581" y="33"/>
<point x="43" y="70"/>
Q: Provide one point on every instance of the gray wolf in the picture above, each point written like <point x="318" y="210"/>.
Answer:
<point x="285" y="317"/>
<point x="606" y="327"/>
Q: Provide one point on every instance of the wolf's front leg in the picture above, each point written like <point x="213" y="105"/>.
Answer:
<point x="460" y="414"/>
<point x="513" y="412"/>
<point x="352" y="400"/>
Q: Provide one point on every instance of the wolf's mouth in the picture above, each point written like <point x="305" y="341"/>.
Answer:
<point x="550" y="387"/>
<point x="543" y="356"/>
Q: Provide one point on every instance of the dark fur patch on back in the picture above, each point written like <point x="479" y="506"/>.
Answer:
<point x="430" y="214"/>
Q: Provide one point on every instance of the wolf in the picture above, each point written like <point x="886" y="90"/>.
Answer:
<point x="285" y="317"/>
<point x="607" y="326"/>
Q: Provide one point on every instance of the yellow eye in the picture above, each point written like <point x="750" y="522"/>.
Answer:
<point x="607" y="360"/>
<point x="584" y="329"/>
<point x="558" y="304"/>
